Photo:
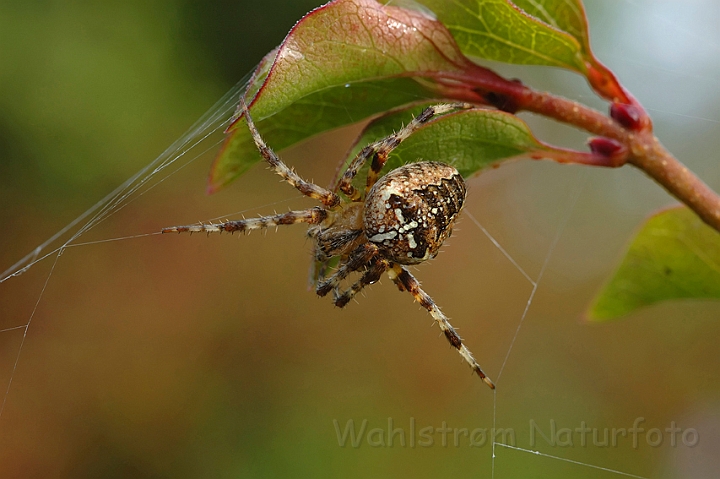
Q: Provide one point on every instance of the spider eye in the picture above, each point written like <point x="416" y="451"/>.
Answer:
<point x="410" y="212"/>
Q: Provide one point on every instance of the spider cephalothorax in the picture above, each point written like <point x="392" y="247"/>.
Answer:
<point x="399" y="219"/>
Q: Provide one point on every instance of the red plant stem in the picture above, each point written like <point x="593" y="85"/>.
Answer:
<point x="645" y="152"/>
<point x="571" y="112"/>
<point x="644" y="149"/>
<point x="561" y="155"/>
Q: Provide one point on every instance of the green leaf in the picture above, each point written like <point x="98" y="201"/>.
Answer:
<point x="470" y="140"/>
<point x="346" y="42"/>
<point x="569" y="16"/>
<point x="566" y="15"/>
<point x="499" y="30"/>
<point x="321" y="111"/>
<point x="674" y="256"/>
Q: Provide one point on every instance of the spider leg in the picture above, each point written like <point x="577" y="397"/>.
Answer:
<point x="372" y="274"/>
<point x="380" y="150"/>
<point x="358" y="258"/>
<point x="312" y="216"/>
<point x="327" y="197"/>
<point x="346" y="185"/>
<point x="318" y="268"/>
<point x="409" y="283"/>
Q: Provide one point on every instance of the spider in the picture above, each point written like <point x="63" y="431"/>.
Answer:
<point x="401" y="219"/>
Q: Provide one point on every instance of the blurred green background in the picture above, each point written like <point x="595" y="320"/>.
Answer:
<point x="208" y="357"/>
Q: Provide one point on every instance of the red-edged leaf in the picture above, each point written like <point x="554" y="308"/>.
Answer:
<point x="499" y="30"/>
<point x="344" y="43"/>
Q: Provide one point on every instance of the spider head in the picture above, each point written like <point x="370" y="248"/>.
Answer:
<point x="410" y="212"/>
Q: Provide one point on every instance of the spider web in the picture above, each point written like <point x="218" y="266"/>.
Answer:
<point x="569" y="192"/>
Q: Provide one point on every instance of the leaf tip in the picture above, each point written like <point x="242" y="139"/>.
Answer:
<point x="211" y="188"/>
<point x="593" y="316"/>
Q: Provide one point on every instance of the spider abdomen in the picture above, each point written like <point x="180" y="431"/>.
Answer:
<point x="410" y="212"/>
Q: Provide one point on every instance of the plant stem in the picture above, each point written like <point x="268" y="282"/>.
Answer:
<point x="646" y="152"/>
<point x="573" y="113"/>
<point x="644" y="149"/>
<point x="649" y="155"/>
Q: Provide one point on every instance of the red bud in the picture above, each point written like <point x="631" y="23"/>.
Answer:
<point x="605" y="146"/>
<point x="628" y="116"/>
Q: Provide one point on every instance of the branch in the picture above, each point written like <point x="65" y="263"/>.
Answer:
<point x="642" y="149"/>
<point x="651" y="157"/>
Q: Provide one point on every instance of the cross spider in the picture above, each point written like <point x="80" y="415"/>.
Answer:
<point x="402" y="219"/>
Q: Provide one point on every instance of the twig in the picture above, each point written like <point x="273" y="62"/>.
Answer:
<point x="643" y="149"/>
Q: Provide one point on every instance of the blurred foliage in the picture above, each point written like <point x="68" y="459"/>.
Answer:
<point x="235" y="35"/>
<point x="86" y="77"/>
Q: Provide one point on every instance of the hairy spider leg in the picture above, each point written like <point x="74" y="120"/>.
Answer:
<point x="410" y="284"/>
<point x="312" y="216"/>
<point x="327" y="197"/>
<point x="358" y="258"/>
<point x="346" y="185"/>
<point x="372" y="274"/>
<point x="380" y="150"/>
